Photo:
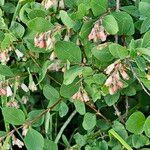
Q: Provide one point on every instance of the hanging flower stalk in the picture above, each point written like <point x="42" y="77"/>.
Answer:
<point x="115" y="71"/>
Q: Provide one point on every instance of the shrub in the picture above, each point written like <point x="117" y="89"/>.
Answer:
<point x="75" y="74"/>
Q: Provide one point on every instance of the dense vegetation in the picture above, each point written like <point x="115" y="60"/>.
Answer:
<point x="75" y="74"/>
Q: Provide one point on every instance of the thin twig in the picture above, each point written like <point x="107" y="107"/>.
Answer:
<point x="29" y="122"/>
<point x="98" y="113"/>
<point x="135" y="75"/>
<point x="117" y="9"/>
<point x="118" y="113"/>
<point x="64" y="126"/>
<point x="127" y="106"/>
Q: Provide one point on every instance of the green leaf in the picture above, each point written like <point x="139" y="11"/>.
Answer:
<point x="81" y="12"/>
<point x="6" y="71"/>
<point x="147" y="127"/>
<point x="13" y="116"/>
<point x="110" y="24"/>
<point x="50" y="92"/>
<point x="99" y="78"/>
<point x="103" y="145"/>
<point x="101" y="53"/>
<point x="36" y="13"/>
<point x="80" y="106"/>
<point x="2" y="2"/>
<point x="118" y="51"/>
<point x="63" y="109"/>
<point x="139" y="141"/>
<point x="129" y="91"/>
<point x="50" y="145"/>
<point x="86" y="29"/>
<point x="135" y="123"/>
<point x="141" y="63"/>
<point x="9" y="8"/>
<point x="99" y="6"/>
<point x="68" y="91"/>
<point x="144" y="8"/>
<point x="33" y="114"/>
<point x="71" y="74"/>
<point x="17" y="29"/>
<point x="145" y="25"/>
<point x="7" y="41"/>
<point x="112" y="99"/>
<point x="34" y="140"/>
<point x="146" y="39"/>
<point x="68" y="51"/>
<point x="80" y="139"/>
<point x="66" y="19"/>
<point x="145" y="51"/>
<point x="120" y="129"/>
<point x="89" y="121"/>
<point x="44" y="70"/>
<point x="2" y="24"/>
<point x="125" y="23"/>
<point x="131" y="9"/>
<point x="39" y="24"/>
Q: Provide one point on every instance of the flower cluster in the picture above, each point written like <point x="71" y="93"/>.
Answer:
<point x="98" y="33"/>
<point x="115" y="72"/>
<point x="81" y="95"/>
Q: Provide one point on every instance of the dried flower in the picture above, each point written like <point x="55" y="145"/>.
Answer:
<point x="55" y="66"/>
<point x="13" y="104"/>
<point x="24" y="99"/>
<point x="19" y="54"/>
<point x="39" y="40"/>
<point x="109" y="69"/>
<point x="24" y="130"/>
<point x="97" y="33"/>
<point x="9" y="91"/>
<point x="4" y="57"/>
<point x="17" y="142"/>
<point x="148" y="76"/>
<point x="49" y="3"/>
<point x="52" y="56"/>
<point x="3" y="92"/>
<point x="81" y="95"/>
<point x="32" y="86"/>
<point x="109" y="81"/>
<point x="114" y="81"/>
<point x="24" y="87"/>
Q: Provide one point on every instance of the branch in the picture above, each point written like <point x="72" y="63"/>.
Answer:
<point x="118" y="114"/>
<point x="30" y="122"/>
<point x="117" y="9"/>
<point x="65" y="125"/>
<point x="135" y="75"/>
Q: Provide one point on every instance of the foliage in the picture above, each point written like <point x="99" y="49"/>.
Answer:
<point x="75" y="74"/>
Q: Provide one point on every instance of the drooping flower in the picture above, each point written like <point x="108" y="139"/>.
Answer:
<point x="114" y="81"/>
<point x="24" y="99"/>
<point x="24" y="130"/>
<point x="17" y="142"/>
<point x="9" y="91"/>
<point x="39" y="40"/>
<point x="24" y="87"/>
<point x="81" y="95"/>
<point x="98" y="33"/>
<point x="4" y="57"/>
<point x="32" y="86"/>
<point x="19" y="53"/>
<point x="13" y="104"/>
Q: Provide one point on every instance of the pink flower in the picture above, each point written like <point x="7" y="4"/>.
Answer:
<point x="124" y="75"/>
<point x="109" y="81"/>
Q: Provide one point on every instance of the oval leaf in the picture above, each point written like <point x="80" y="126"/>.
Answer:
<point x="135" y="123"/>
<point x="13" y="116"/>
